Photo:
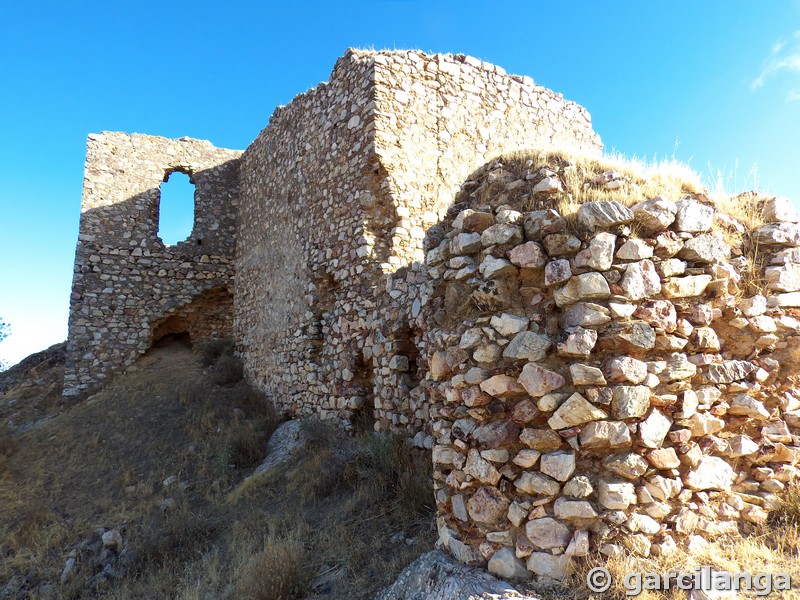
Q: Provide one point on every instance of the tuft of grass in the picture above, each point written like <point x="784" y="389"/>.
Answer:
<point x="227" y="370"/>
<point x="211" y="350"/>
<point x="278" y="572"/>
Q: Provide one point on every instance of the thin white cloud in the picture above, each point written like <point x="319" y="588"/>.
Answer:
<point x="783" y="61"/>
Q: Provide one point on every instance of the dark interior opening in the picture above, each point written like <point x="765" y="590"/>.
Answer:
<point x="363" y="384"/>
<point x="322" y="309"/>
<point x="178" y="338"/>
<point x="405" y="345"/>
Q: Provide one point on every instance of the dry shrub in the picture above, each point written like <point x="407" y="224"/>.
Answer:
<point x="278" y="572"/>
<point x="211" y="350"/>
<point x="394" y="470"/>
<point x="227" y="370"/>
<point x="8" y="445"/>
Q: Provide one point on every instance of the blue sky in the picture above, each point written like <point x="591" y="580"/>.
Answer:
<point x="712" y="83"/>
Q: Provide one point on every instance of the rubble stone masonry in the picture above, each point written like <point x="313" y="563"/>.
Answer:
<point x="591" y="378"/>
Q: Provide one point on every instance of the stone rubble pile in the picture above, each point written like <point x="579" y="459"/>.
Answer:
<point x="602" y="380"/>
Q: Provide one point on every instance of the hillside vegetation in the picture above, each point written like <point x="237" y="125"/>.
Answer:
<point x="142" y="492"/>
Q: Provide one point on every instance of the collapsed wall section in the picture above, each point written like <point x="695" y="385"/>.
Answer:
<point x="128" y="287"/>
<point x="607" y="378"/>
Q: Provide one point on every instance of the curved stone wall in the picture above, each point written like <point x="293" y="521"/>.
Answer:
<point x="606" y="378"/>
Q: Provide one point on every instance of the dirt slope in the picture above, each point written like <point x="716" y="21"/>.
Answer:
<point x="157" y="462"/>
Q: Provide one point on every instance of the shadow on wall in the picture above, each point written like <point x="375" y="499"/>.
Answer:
<point x="209" y="315"/>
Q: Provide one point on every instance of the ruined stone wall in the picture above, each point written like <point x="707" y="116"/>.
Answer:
<point x="439" y="118"/>
<point x="607" y="378"/>
<point x="127" y="283"/>
<point x="338" y="192"/>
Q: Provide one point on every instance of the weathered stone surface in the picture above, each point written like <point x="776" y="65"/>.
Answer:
<point x="527" y="458"/>
<point x="640" y="280"/>
<point x="502" y="386"/>
<point x="701" y="424"/>
<point x="548" y="185"/>
<point x="634" y="337"/>
<point x="586" y="375"/>
<point x="778" y="234"/>
<point x="473" y="220"/>
<point x="481" y="469"/>
<point x="627" y="465"/>
<point x="780" y="209"/>
<point x="654" y="429"/>
<point x="541" y="223"/>
<point x="693" y="217"/>
<point x="685" y="287"/>
<point x="558" y="465"/>
<point x="655" y="214"/>
<point x="524" y="411"/>
<point x="616" y="494"/>
<point x="599" y="254"/>
<point x="536" y="483"/>
<point x="439" y="368"/>
<point x="588" y="286"/>
<point x="530" y="255"/>
<point x="557" y="271"/>
<point x="496" y="434"/>
<point x="502" y="234"/>
<point x="706" y="248"/>
<point x="705" y="339"/>
<point x="508" y="324"/>
<point x="558" y="244"/>
<point x="487" y="505"/>
<point x="675" y="367"/>
<point x="785" y="278"/>
<point x="664" y="458"/>
<point x="543" y="440"/>
<point x="629" y="401"/>
<point x="711" y="473"/>
<point x="578" y="487"/>
<point x="564" y="508"/>
<point x="635" y="249"/>
<point x="603" y="214"/>
<point x="585" y="314"/>
<point x="548" y="565"/>
<point x="728" y="371"/>
<point x="528" y="345"/>
<point x="622" y="369"/>
<point x="504" y="563"/>
<point x="663" y="488"/>
<point x="496" y="268"/>
<point x="538" y="381"/>
<point x="605" y="434"/>
<point x="740" y="445"/>
<point x="465" y="243"/>
<point x="437" y="576"/>
<point x="746" y="406"/>
<point x="575" y="410"/>
<point x="548" y="533"/>
<point x="579" y="343"/>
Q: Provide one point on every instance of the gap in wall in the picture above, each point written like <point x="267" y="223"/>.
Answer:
<point x="176" y="209"/>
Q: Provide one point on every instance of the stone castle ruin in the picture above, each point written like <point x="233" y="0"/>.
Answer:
<point x="403" y="247"/>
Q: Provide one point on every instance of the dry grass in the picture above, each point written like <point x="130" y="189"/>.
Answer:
<point x="103" y="464"/>
<point x="638" y="180"/>
<point x="772" y="548"/>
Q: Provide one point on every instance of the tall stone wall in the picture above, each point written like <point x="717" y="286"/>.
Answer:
<point x="615" y="378"/>
<point x="337" y="193"/>
<point x="127" y="284"/>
